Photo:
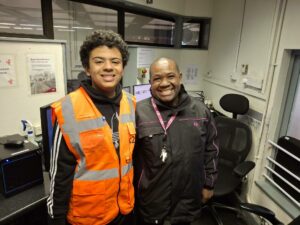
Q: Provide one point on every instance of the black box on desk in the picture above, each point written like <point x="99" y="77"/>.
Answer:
<point x="20" y="167"/>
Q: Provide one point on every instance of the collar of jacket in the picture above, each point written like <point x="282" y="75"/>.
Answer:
<point x="98" y="96"/>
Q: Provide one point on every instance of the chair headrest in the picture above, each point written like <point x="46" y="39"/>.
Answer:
<point x="235" y="103"/>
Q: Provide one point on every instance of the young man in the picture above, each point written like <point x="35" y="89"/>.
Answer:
<point x="91" y="161"/>
<point x="176" y="151"/>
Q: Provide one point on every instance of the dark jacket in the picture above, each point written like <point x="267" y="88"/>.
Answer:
<point x="173" y="188"/>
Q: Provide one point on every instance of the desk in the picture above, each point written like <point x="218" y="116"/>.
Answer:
<point x="20" y="204"/>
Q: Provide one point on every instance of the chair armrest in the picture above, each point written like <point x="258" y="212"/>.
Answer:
<point x="244" y="168"/>
<point x="261" y="211"/>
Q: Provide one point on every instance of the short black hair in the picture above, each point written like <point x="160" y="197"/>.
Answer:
<point x="103" y="38"/>
<point x="163" y="58"/>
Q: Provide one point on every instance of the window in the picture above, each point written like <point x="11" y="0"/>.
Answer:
<point x="190" y="35"/>
<point x="282" y="168"/>
<point x="67" y="19"/>
<point x="195" y="33"/>
<point x="25" y="18"/>
<point x="148" y="30"/>
<point x="72" y="21"/>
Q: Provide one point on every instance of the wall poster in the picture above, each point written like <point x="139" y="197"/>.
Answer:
<point x="41" y="70"/>
<point x="7" y="71"/>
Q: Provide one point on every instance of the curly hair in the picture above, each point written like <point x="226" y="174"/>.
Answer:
<point x="103" y="38"/>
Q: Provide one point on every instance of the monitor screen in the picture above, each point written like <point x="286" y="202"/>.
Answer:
<point x="127" y="89"/>
<point x="141" y="91"/>
<point x="47" y="133"/>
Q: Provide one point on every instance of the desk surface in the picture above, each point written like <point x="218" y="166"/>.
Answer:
<point x="19" y="204"/>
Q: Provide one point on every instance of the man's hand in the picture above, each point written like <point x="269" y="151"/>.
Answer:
<point x="206" y="194"/>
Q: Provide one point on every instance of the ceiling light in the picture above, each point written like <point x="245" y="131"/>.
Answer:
<point x="59" y="26"/>
<point x="8" y="24"/>
<point x="66" y="30"/>
<point x="23" y="28"/>
<point x="30" y="25"/>
<point x="83" y="28"/>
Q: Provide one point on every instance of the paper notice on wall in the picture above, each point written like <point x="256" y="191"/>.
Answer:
<point x="41" y="70"/>
<point x="7" y="71"/>
<point x="191" y="75"/>
<point x="145" y="57"/>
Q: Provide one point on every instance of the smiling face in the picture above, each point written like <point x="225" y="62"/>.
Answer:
<point x="165" y="81"/>
<point x="105" y="69"/>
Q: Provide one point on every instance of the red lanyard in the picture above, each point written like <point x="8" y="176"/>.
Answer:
<point x="161" y="119"/>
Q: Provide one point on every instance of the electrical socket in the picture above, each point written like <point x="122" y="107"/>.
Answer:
<point x="244" y="69"/>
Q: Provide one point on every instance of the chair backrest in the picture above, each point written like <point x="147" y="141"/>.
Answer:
<point x="235" y="103"/>
<point x="235" y="140"/>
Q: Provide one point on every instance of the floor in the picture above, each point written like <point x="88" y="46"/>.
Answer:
<point x="227" y="218"/>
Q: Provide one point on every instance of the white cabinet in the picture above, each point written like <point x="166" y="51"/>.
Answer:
<point x="241" y="42"/>
<point x="256" y="38"/>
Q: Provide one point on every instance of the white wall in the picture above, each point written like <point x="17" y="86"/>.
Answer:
<point x="174" y="6"/>
<point x="289" y="39"/>
<point x="230" y="44"/>
<point x="16" y="102"/>
<point x="196" y="8"/>
<point x="191" y="7"/>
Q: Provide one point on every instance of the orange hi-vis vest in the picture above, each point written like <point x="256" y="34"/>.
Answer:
<point x="103" y="181"/>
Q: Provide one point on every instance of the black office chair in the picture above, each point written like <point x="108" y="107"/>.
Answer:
<point x="266" y="213"/>
<point x="235" y="103"/>
<point x="235" y="141"/>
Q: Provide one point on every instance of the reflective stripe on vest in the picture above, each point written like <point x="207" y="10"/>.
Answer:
<point x="69" y="116"/>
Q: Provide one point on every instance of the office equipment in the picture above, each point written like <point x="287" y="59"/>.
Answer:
<point x="27" y="207"/>
<point x="197" y="94"/>
<point x="127" y="89"/>
<point x="235" y="141"/>
<point x="13" y="143"/>
<point x="47" y="133"/>
<point x="141" y="91"/>
<point x="20" y="168"/>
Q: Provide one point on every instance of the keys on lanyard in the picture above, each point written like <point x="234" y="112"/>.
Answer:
<point x="163" y="154"/>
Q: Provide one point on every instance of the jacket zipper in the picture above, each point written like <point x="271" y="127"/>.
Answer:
<point x="120" y="177"/>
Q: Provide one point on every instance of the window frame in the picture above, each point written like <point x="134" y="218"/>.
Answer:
<point x="290" y="87"/>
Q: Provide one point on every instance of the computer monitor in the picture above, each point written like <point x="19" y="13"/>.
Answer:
<point x="141" y="91"/>
<point x="47" y="133"/>
<point x="127" y="89"/>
